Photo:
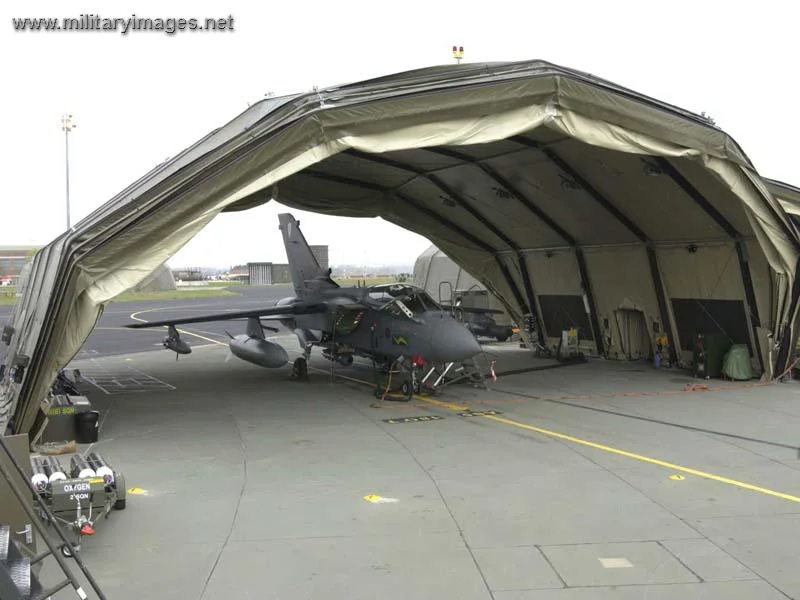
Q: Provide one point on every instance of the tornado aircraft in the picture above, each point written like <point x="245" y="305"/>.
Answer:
<point x="391" y="324"/>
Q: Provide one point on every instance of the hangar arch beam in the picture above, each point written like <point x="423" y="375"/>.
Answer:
<point x="433" y="215"/>
<point x="652" y="259"/>
<point x="481" y="218"/>
<point x="551" y="223"/>
<point x="741" y="250"/>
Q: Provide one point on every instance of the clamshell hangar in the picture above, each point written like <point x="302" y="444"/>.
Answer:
<point x="561" y="192"/>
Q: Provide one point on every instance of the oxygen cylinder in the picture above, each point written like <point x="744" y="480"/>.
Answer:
<point x="101" y="467"/>
<point x="81" y="468"/>
<point x="57" y="472"/>
<point x="40" y="477"/>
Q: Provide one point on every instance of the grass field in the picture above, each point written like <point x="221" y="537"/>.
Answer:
<point x="212" y="289"/>
<point x="8" y="296"/>
<point x="178" y="294"/>
<point x="368" y="281"/>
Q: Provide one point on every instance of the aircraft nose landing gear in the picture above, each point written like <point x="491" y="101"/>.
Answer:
<point x="409" y="388"/>
<point x="411" y="384"/>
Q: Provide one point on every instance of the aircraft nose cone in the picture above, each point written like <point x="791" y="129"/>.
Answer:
<point x="453" y="342"/>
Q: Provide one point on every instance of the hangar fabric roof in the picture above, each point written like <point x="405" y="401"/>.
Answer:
<point x="490" y="161"/>
<point x="788" y="196"/>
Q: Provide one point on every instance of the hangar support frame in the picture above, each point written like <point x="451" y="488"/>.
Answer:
<point x="530" y="296"/>
<point x="553" y="225"/>
<point x="741" y="249"/>
<point x="652" y="258"/>
<point x="433" y="214"/>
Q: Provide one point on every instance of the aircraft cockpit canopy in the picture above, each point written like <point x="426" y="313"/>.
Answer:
<point x="413" y="298"/>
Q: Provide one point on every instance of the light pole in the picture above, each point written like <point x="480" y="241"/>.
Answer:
<point x="458" y="53"/>
<point x="67" y="125"/>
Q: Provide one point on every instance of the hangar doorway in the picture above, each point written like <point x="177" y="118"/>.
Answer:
<point x="634" y="337"/>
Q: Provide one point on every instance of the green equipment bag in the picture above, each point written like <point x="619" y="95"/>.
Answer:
<point x="736" y="364"/>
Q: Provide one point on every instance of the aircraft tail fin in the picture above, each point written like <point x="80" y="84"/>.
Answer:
<point x="307" y="274"/>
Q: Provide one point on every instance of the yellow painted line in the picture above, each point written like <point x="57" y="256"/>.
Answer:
<point x="604" y="448"/>
<point x="565" y="437"/>
<point x="375" y="499"/>
<point x="184" y="331"/>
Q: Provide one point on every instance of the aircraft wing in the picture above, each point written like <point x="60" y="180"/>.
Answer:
<point x="275" y="312"/>
<point x="474" y="309"/>
<point x="480" y="311"/>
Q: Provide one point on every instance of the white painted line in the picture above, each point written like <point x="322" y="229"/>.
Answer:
<point x="615" y="563"/>
<point x="95" y="384"/>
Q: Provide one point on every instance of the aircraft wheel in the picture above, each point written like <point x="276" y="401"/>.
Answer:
<point x="300" y="368"/>
<point x="407" y="389"/>
<point x="502" y="338"/>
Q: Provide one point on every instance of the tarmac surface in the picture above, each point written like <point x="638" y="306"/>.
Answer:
<point x="601" y="480"/>
<point x="111" y="337"/>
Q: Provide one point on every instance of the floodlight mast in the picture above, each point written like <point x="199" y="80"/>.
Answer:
<point x="458" y="53"/>
<point x="67" y="125"/>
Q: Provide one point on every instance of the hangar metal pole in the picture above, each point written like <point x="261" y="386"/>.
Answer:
<point x="751" y="306"/>
<point x="67" y="125"/>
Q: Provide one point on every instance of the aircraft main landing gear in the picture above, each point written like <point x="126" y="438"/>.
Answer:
<point x="300" y="368"/>
<point x="300" y="365"/>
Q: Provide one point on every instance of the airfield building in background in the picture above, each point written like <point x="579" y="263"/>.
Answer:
<point x="12" y="260"/>
<point x="267" y="273"/>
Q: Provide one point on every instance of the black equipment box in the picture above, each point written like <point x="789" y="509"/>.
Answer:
<point x="63" y="418"/>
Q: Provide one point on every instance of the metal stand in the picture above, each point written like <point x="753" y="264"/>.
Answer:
<point x="458" y="372"/>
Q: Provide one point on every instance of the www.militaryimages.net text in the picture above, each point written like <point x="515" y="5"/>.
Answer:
<point x="123" y="26"/>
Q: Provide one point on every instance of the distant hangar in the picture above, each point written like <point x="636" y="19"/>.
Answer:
<point x="560" y="191"/>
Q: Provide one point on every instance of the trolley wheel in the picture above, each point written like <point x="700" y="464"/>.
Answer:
<point x="66" y="551"/>
<point x="119" y="504"/>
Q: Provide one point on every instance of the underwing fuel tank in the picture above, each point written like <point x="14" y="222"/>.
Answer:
<point x="259" y="351"/>
<point x="174" y="342"/>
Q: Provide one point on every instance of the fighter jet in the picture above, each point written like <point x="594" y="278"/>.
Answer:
<point x="392" y="325"/>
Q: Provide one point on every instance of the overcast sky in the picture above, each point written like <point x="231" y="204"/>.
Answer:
<point x="142" y="97"/>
